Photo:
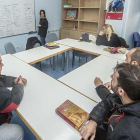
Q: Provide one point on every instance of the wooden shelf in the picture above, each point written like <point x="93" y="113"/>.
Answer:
<point x="74" y="3"/>
<point x="88" y="26"/>
<point x="70" y="29"/>
<point x="90" y="7"/>
<point x="71" y="7"/>
<point x="90" y="3"/>
<point x="93" y="21"/>
<point x="89" y="18"/>
<point x="71" y="20"/>
<point x="89" y="31"/>
<point x="69" y="23"/>
<point x="89" y="14"/>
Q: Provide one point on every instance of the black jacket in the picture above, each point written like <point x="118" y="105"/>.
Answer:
<point x="31" y="42"/>
<point x="114" y="40"/>
<point x="102" y="91"/>
<point x="124" y="120"/>
<point x="9" y="100"/>
<point x="44" y="27"/>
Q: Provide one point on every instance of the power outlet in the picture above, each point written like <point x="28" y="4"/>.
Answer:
<point x="17" y="48"/>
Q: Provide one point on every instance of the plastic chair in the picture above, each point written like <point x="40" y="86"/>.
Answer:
<point x="85" y="37"/>
<point x="51" y="37"/>
<point x="9" y="48"/>
<point x="136" y="39"/>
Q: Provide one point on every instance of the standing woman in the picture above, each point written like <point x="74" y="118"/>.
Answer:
<point x="108" y="37"/>
<point x="43" y="27"/>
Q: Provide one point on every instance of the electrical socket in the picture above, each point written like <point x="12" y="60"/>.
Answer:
<point x="17" y="48"/>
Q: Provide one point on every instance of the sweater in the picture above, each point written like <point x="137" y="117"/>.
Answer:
<point x="9" y="100"/>
<point x="44" y="27"/>
<point x="114" y="40"/>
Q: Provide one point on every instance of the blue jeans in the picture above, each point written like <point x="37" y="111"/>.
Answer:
<point x="42" y="39"/>
<point x="11" y="132"/>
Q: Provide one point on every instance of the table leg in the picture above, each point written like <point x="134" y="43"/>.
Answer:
<point x="67" y="67"/>
<point x="53" y="62"/>
<point x="40" y="66"/>
<point x="63" y="61"/>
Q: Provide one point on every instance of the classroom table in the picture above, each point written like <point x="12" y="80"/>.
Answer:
<point x="82" y="79"/>
<point x="38" y="54"/>
<point x="90" y="48"/>
<point x="42" y="95"/>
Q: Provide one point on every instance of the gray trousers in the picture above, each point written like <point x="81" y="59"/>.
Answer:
<point x="11" y="132"/>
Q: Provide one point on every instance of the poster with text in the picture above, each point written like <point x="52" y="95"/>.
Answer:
<point x="115" y="9"/>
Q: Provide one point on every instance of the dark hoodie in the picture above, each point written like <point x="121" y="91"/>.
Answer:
<point x="124" y="120"/>
<point x="9" y="100"/>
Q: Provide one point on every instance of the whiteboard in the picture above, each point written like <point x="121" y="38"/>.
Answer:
<point x="16" y="17"/>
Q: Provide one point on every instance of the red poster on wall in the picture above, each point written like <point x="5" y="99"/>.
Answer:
<point x="115" y="9"/>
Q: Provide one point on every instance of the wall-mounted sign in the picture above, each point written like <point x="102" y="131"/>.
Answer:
<point x="115" y="9"/>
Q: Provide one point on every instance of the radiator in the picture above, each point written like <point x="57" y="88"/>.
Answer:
<point x="57" y="32"/>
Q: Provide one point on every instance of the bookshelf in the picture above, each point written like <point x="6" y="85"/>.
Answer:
<point x="90" y="18"/>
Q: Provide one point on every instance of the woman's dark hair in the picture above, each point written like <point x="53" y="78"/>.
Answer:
<point x="43" y="12"/>
<point x="129" y="80"/>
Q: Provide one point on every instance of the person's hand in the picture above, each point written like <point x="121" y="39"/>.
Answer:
<point x="38" y="26"/>
<point x="98" y="82"/>
<point x="20" y="80"/>
<point x="88" y="130"/>
<point x="108" y="85"/>
<point x="16" y="80"/>
<point x="101" y="33"/>
<point x="24" y="81"/>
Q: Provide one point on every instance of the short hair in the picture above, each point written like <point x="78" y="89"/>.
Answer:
<point x="135" y="56"/>
<point x="129" y="80"/>
<point x="43" y="12"/>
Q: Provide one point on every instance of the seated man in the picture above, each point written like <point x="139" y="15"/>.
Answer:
<point x="9" y="101"/>
<point x="132" y="57"/>
<point x="122" y="108"/>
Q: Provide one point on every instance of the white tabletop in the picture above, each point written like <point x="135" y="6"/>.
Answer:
<point x="42" y="96"/>
<point x="90" y="48"/>
<point x="40" y="53"/>
<point x="82" y="79"/>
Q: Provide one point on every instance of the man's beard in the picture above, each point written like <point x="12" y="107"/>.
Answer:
<point x="115" y="90"/>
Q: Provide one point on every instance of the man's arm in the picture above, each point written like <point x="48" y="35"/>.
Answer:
<point x="10" y="100"/>
<point x="104" y="109"/>
<point x="102" y="91"/>
<point x="8" y="80"/>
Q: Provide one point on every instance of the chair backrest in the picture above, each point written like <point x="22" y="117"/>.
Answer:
<point x="85" y="37"/>
<point x="123" y="42"/>
<point x="9" y="48"/>
<point x="51" y="37"/>
<point x="136" y="37"/>
<point x="31" y="42"/>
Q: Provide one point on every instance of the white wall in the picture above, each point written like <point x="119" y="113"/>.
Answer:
<point x="130" y="23"/>
<point x="118" y="25"/>
<point x="53" y="14"/>
<point x="133" y="22"/>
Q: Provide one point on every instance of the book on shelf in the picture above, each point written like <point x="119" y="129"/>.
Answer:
<point x="67" y="6"/>
<point x="72" y="14"/>
<point x="72" y="114"/>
